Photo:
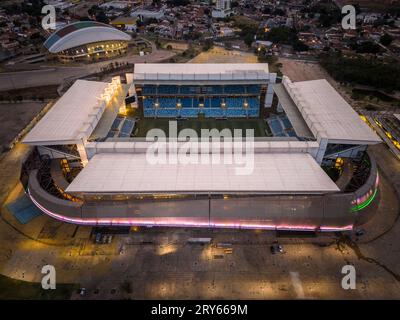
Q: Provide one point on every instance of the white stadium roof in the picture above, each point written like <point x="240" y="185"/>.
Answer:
<point x="82" y="33"/>
<point x="132" y="173"/>
<point x="201" y="71"/>
<point x="73" y="117"/>
<point x="327" y="114"/>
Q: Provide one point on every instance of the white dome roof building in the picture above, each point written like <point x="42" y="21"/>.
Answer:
<point x="87" y="40"/>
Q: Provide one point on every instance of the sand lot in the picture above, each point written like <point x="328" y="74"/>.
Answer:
<point x="221" y="55"/>
<point x="298" y="70"/>
<point x="14" y="117"/>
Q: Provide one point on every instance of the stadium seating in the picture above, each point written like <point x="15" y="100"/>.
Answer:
<point x="148" y="103"/>
<point x="149" y="89"/>
<point x="253" y="89"/>
<point x="215" y="102"/>
<point x="189" y="112"/>
<point x="187" y="103"/>
<point x="213" y="112"/>
<point x="167" y="90"/>
<point x="148" y="112"/>
<point x="167" y="102"/>
<point x="281" y="126"/>
<point x="116" y="123"/>
<point x="167" y="113"/>
<point x="234" y="89"/>
<point x="253" y="112"/>
<point x="234" y="102"/>
<point x="127" y="128"/>
<point x="236" y="112"/>
<point x="254" y="103"/>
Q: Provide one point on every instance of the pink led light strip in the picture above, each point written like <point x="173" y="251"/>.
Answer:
<point x="184" y="223"/>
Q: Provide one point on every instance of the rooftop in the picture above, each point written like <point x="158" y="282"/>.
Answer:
<point x="81" y="33"/>
<point x="327" y="114"/>
<point x="73" y="117"/>
<point x="203" y="71"/>
<point x="132" y="173"/>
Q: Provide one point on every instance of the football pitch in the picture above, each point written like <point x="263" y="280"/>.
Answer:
<point x="258" y="125"/>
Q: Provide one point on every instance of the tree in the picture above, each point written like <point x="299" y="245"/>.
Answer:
<point x="101" y="17"/>
<point x="300" y="46"/>
<point x="366" y="47"/>
<point x="248" y="39"/>
<point x="386" y="39"/>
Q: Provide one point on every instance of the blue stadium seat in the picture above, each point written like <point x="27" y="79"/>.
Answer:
<point x="167" y="89"/>
<point x="167" y="102"/>
<point x="149" y="89"/>
<point x="235" y="89"/>
<point x="234" y="102"/>
<point x="148" y="113"/>
<point x="189" y="112"/>
<point x="215" y="102"/>
<point x="236" y="112"/>
<point x="253" y="112"/>
<point x="167" y="113"/>
<point x="213" y="112"/>
<point x="253" y="89"/>
<point x="127" y="128"/>
<point x="148" y="103"/>
<point x="254" y="103"/>
<point x="187" y="102"/>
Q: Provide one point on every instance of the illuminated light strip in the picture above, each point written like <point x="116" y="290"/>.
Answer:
<point x="365" y="203"/>
<point x="151" y="223"/>
<point x="330" y="229"/>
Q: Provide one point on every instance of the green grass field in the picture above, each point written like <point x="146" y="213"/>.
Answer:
<point x="258" y="125"/>
<point x="23" y="290"/>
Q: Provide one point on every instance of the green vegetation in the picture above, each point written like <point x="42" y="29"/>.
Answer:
<point x="22" y="290"/>
<point x="366" y="47"/>
<point x="186" y="55"/>
<point x="386" y="39"/>
<point x="286" y="35"/>
<point x="177" y="3"/>
<point x="99" y="14"/>
<point x="360" y="70"/>
<point x="248" y="27"/>
<point x="328" y="12"/>
<point x="258" y="125"/>
<point x="273" y="64"/>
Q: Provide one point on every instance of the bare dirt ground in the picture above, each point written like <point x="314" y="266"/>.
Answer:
<point x="14" y="117"/>
<point x="298" y="70"/>
<point x="221" y="55"/>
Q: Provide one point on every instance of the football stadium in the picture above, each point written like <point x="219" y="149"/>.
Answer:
<point x="311" y="167"/>
<point x="87" y="41"/>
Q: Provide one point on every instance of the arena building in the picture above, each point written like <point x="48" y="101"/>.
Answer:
<point x="87" y="168"/>
<point x="87" y="41"/>
<point x="208" y="90"/>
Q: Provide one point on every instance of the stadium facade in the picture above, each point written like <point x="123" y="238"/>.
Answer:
<point x="208" y="90"/>
<point x="87" y="41"/>
<point x="87" y="167"/>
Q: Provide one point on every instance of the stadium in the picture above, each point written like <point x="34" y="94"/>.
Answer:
<point x="208" y="90"/>
<point x="87" y="41"/>
<point x="88" y="167"/>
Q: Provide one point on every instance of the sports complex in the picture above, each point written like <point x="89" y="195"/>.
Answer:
<point x="87" y="41"/>
<point x="311" y="170"/>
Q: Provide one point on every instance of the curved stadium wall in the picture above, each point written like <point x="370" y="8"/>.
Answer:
<point x="87" y="41"/>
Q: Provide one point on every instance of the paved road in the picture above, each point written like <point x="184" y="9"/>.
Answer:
<point x="56" y="75"/>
